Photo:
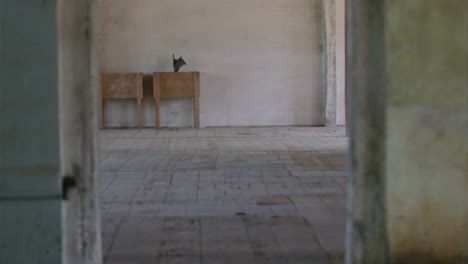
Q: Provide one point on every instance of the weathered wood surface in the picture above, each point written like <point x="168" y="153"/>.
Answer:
<point x="121" y="86"/>
<point x="367" y="238"/>
<point x="78" y="86"/>
<point x="177" y="85"/>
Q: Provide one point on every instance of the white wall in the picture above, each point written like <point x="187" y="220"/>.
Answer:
<point x="340" y="62"/>
<point x="259" y="60"/>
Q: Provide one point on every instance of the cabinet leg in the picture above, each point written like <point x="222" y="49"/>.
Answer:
<point x="140" y="113"/>
<point x="101" y="114"/>
<point x="196" y="99"/>
<point x="156" y="115"/>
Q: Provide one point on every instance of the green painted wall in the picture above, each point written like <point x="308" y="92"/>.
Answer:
<point x="427" y="131"/>
<point x="30" y="202"/>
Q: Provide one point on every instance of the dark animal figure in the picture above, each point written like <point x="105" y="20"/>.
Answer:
<point x="178" y="63"/>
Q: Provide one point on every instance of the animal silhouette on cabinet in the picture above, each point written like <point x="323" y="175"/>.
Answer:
<point x="178" y="63"/>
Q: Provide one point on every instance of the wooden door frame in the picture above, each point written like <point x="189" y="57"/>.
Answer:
<point x="78" y="94"/>
<point x="365" y="235"/>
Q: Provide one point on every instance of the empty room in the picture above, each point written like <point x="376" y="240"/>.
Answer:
<point x="230" y="146"/>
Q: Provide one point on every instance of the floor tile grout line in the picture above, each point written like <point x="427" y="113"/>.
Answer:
<point x="109" y="250"/>
<point x="197" y="187"/>
<point x="136" y="191"/>
<point x="108" y="186"/>
<point x="200" y="237"/>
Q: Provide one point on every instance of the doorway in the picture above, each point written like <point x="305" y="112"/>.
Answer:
<point x="233" y="191"/>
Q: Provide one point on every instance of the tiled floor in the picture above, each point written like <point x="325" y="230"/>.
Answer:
<point x="224" y="195"/>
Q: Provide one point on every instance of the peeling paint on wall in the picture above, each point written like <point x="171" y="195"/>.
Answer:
<point x="427" y="144"/>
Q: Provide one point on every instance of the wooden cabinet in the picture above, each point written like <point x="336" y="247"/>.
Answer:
<point x="172" y="85"/>
<point x="121" y="86"/>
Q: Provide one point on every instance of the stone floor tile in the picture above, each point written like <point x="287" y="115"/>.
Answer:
<point x="223" y="195"/>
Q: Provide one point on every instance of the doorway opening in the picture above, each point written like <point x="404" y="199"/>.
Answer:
<point x="261" y="181"/>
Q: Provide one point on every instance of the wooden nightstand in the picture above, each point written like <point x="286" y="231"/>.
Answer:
<point x="121" y="86"/>
<point x="172" y="85"/>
